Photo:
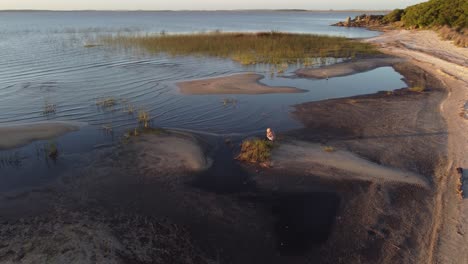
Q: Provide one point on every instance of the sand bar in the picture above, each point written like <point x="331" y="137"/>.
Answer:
<point x="340" y="165"/>
<point x="347" y="68"/>
<point x="235" y="84"/>
<point x="19" y="135"/>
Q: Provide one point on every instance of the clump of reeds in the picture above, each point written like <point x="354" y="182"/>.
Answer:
<point x="249" y="48"/>
<point x="255" y="150"/>
<point x="144" y="118"/>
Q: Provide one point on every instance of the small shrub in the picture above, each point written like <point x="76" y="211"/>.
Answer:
<point x="255" y="150"/>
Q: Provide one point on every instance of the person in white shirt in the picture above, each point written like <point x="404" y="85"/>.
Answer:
<point x="270" y="134"/>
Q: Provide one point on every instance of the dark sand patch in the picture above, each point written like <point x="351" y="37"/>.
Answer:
<point x="235" y="84"/>
<point x="20" y="135"/>
<point x="347" y="68"/>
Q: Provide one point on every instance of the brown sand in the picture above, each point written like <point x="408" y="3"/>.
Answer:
<point x="347" y="68"/>
<point x="20" y="135"/>
<point x="449" y="236"/>
<point x="235" y="84"/>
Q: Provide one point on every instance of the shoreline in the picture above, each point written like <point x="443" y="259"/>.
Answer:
<point x="450" y="227"/>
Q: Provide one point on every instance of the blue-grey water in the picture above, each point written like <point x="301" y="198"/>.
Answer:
<point x="45" y="60"/>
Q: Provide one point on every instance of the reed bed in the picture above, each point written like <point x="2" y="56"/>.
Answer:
<point x="248" y="48"/>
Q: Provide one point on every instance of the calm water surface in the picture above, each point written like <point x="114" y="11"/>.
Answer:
<point x="44" y="60"/>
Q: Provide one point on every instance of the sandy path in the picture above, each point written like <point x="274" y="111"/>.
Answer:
<point x="340" y="165"/>
<point x="449" y="239"/>
<point x="20" y="135"/>
<point x="234" y="84"/>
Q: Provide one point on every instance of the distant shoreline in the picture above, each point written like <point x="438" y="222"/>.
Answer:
<point x="228" y="10"/>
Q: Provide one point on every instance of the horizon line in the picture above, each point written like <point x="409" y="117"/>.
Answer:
<point x="193" y="10"/>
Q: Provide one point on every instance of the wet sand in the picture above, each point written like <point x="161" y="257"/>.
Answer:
<point x="19" y="135"/>
<point x="383" y="217"/>
<point x="347" y="68"/>
<point x="235" y="84"/>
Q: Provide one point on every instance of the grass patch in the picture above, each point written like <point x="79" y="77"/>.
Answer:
<point x="417" y="89"/>
<point x="255" y="150"/>
<point x="249" y="48"/>
<point x="328" y="149"/>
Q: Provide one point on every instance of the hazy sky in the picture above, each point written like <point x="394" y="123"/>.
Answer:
<point x="204" y="4"/>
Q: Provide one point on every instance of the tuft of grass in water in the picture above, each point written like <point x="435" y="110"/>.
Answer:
<point x="11" y="160"/>
<point x="417" y="89"/>
<point x="249" y="48"/>
<point x="144" y="118"/>
<point x="229" y="101"/>
<point x="107" y="128"/>
<point x="106" y="102"/>
<point x="49" y="109"/>
<point x="328" y="149"/>
<point x="255" y="150"/>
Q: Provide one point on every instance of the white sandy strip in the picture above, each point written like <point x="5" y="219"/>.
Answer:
<point x="340" y="165"/>
<point x="14" y="136"/>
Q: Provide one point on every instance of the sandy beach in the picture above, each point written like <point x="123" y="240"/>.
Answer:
<point x="449" y="239"/>
<point x="234" y="84"/>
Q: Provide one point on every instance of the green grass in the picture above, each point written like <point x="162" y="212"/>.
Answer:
<point x="255" y="150"/>
<point x="248" y="48"/>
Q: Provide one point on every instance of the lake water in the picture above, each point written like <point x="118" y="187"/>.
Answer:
<point x="43" y="60"/>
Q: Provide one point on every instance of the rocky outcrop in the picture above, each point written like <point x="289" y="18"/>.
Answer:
<point x="362" y="21"/>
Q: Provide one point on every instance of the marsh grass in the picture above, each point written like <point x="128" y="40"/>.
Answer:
<point x="249" y="48"/>
<point x="255" y="150"/>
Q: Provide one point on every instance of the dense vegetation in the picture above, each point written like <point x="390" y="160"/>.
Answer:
<point x="250" y="48"/>
<point x="434" y="13"/>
